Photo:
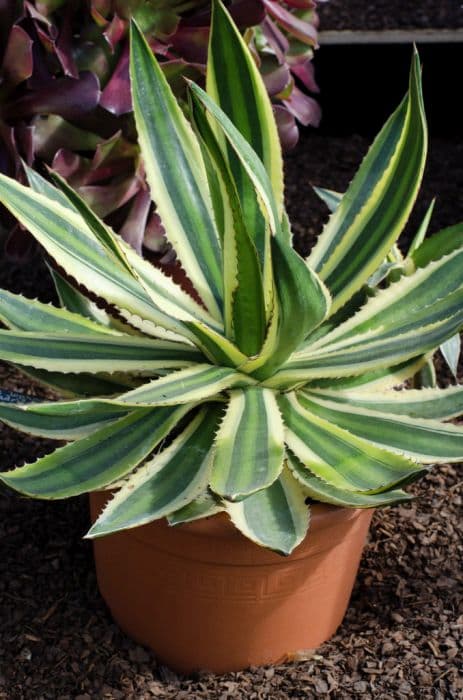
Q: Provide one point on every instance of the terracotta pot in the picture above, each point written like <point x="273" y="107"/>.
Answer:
<point x="202" y="596"/>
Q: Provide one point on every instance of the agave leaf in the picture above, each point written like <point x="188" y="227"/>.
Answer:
<point x="319" y="490"/>
<point x="438" y="245"/>
<point x="426" y="377"/>
<point x="303" y="303"/>
<point x="205" y="505"/>
<point x="61" y="421"/>
<point x="75" y="302"/>
<point x="66" y="352"/>
<point x="249" y="448"/>
<point x="423" y="439"/>
<point x="69" y="241"/>
<point x="247" y="105"/>
<point x="378" y="321"/>
<point x="196" y="384"/>
<point x="422" y="230"/>
<point x="426" y="296"/>
<point x="369" y="352"/>
<point x="244" y="303"/>
<point x="164" y="293"/>
<point x="276" y="517"/>
<point x="432" y="403"/>
<point x="95" y="461"/>
<point x="375" y="380"/>
<point x="215" y="347"/>
<point x="373" y="212"/>
<point x="22" y="314"/>
<point x="182" y="194"/>
<point x="331" y="198"/>
<point x="169" y="481"/>
<point x="245" y="101"/>
<point x="71" y="385"/>
<point x="249" y="159"/>
<point x="338" y="457"/>
<point x="451" y="351"/>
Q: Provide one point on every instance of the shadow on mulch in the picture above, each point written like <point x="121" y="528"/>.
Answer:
<point x="402" y="636"/>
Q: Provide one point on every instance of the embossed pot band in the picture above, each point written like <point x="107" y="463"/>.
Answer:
<point x="204" y="597"/>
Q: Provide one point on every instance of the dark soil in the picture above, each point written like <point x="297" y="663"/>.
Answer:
<point x="390" y="14"/>
<point x="403" y="633"/>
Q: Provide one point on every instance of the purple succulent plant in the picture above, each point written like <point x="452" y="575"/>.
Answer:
<point x="65" y="95"/>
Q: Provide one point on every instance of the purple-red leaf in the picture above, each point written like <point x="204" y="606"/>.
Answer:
<point x="10" y="12"/>
<point x="302" y="30"/>
<point x="191" y="43"/>
<point x="287" y="127"/>
<point x="133" y="230"/>
<point x="17" y="60"/>
<point x="63" y="45"/>
<point x="304" y="108"/>
<point x="67" y="97"/>
<point x="116" y="96"/>
<point x="115" y="31"/>
<point x="52" y="133"/>
<point x="277" y="80"/>
<point x="276" y="39"/>
<point x="104" y="199"/>
<point x="304" y="70"/>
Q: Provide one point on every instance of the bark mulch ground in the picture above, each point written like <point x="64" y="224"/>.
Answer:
<point x="390" y="14"/>
<point x="403" y="634"/>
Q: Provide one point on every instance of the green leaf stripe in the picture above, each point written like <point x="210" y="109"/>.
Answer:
<point x="248" y="158"/>
<point x="196" y="383"/>
<point x="215" y="347"/>
<point x="367" y="355"/>
<point x="434" y="404"/>
<point x="244" y="302"/>
<point x="430" y="294"/>
<point x="439" y="244"/>
<point x="426" y="440"/>
<point x="171" y="480"/>
<point x="375" y="208"/>
<point x="95" y="461"/>
<point x="276" y="517"/>
<point x="338" y="457"/>
<point x="303" y="303"/>
<point x="249" y="448"/>
<point x="71" y="385"/>
<point x="22" y="314"/>
<point x="319" y="490"/>
<point x="205" y="505"/>
<point x="377" y="380"/>
<point x="181" y="193"/>
<point x="246" y="103"/>
<point x="61" y="421"/>
<point x="88" y="353"/>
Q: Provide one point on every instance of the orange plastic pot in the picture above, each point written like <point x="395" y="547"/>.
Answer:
<point x="202" y="596"/>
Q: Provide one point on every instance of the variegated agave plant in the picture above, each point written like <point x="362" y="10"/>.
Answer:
<point x="274" y="385"/>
